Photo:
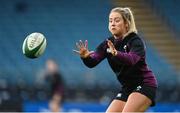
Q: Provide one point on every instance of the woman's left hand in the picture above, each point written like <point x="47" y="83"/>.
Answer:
<point x="111" y="48"/>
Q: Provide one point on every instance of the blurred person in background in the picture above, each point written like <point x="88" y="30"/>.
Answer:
<point x="55" y="80"/>
<point x="125" y="52"/>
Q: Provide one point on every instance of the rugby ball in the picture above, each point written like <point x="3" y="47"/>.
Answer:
<point x="34" y="45"/>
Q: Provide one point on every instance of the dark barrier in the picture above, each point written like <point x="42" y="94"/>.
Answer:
<point x="10" y="106"/>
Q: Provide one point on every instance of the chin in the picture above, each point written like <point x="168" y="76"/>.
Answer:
<point x="115" y="34"/>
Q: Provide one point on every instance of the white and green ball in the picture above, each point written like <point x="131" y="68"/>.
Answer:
<point x="34" y="45"/>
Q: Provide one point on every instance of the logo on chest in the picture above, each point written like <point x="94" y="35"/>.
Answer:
<point x="125" y="48"/>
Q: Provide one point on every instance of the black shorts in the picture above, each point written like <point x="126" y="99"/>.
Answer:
<point x="148" y="91"/>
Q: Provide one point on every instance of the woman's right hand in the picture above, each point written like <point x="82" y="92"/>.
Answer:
<point x="83" y="49"/>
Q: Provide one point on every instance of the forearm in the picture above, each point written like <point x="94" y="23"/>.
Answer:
<point x="127" y="58"/>
<point x="92" y="60"/>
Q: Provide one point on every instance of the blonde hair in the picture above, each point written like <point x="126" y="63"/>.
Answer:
<point x="128" y="17"/>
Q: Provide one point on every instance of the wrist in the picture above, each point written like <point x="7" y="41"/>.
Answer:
<point x="115" y="53"/>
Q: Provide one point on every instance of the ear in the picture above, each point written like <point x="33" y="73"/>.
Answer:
<point x="127" y="25"/>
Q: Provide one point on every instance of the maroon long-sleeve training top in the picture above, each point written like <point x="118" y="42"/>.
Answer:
<point x="129" y="65"/>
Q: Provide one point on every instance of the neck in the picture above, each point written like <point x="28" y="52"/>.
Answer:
<point x="117" y="37"/>
<point x="120" y="36"/>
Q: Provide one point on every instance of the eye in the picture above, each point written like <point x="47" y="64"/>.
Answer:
<point x="117" y="20"/>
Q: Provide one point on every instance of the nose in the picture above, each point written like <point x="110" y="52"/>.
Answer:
<point x="113" y="23"/>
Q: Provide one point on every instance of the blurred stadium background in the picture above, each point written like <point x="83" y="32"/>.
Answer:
<point x="64" y="22"/>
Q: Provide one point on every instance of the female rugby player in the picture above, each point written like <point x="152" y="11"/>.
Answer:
<point x="125" y="52"/>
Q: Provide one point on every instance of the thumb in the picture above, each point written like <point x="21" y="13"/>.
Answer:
<point x="91" y="52"/>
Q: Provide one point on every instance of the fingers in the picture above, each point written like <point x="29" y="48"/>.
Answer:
<point x="80" y="44"/>
<point x="76" y="51"/>
<point x="110" y="44"/>
<point x="82" y="48"/>
<point x="111" y="48"/>
<point x="77" y="45"/>
<point x="86" y="44"/>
